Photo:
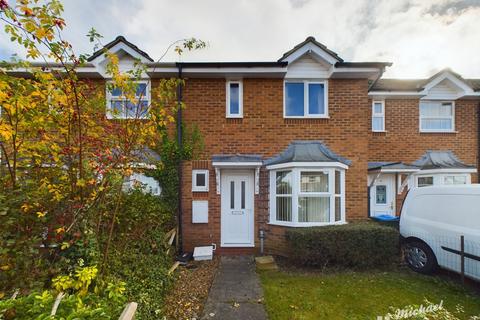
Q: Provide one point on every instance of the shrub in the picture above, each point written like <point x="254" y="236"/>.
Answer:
<point x="355" y="245"/>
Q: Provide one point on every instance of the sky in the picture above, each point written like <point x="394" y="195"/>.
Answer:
<point x="420" y="37"/>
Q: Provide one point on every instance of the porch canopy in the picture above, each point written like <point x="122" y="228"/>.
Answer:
<point x="237" y="161"/>
<point x="391" y="167"/>
<point x="307" y="154"/>
<point x="437" y="161"/>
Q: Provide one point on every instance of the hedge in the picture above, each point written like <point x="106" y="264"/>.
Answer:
<point x="355" y="245"/>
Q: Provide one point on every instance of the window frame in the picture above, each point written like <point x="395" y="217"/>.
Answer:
<point x="420" y="117"/>
<point x="195" y="187"/>
<point x="424" y="176"/>
<point x="297" y="193"/>
<point x="306" y="83"/>
<point x="378" y="115"/>
<point x="240" y="99"/>
<point x="122" y="116"/>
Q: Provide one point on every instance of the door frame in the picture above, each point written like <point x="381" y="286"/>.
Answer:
<point x="391" y="194"/>
<point x="251" y="221"/>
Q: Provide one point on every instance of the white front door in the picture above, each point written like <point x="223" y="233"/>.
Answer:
<point x="237" y="220"/>
<point x="382" y="196"/>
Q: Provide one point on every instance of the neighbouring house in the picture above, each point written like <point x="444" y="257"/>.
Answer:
<point x="308" y="140"/>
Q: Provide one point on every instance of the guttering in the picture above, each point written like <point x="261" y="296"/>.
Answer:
<point x="180" y="147"/>
<point x="319" y="165"/>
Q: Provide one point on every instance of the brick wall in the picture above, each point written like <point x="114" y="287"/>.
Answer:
<point x="264" y="131"/>
<point x="403" y="141"/>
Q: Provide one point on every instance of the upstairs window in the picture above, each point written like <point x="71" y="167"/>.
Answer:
<point x="378" y="116"/>
<point x="437" y="116"/>
<point x="119" y="107"/>
<point x="234" y="99"/>
<point x="306" y="99"/>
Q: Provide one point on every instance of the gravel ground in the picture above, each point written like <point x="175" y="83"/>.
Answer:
<point x="190" y="291"/>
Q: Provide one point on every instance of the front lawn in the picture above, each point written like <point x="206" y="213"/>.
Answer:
<point x="358" y="295"/>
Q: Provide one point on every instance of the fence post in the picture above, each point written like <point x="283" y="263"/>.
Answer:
<point x="129" y="311"/>
<point x="462" y="258"/>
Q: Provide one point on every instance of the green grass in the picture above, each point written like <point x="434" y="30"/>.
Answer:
<point x="355" y="295"/>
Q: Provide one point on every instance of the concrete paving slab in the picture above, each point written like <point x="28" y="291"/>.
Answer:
<point x="236" y="292"/>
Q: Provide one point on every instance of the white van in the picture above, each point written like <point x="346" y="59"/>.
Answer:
<point x="431" y="223"/>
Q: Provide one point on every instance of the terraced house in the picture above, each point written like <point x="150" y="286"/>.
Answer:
<point x="308" y="140"/>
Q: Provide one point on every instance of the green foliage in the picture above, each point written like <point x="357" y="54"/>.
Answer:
<point x="139" y="256"/>
<point x="85" y="298"/>
<point x="355" y="245"/>
<point x="171" y="155"/>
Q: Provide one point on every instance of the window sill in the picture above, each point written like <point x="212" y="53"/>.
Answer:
<point x="306" y="224"/>
<point x="437" y="132"/>
<point x="379" y="131"/>
<point x="234" y="117"/>
<point x="306" y="117"/>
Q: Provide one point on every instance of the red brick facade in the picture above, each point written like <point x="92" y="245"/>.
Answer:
<point x="264" y="131"/>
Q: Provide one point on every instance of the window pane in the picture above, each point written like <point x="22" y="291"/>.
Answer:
<point x="381" y="195"/>
<point x="116" y="92"/>
<point x="338" y="182"/>
<point x="338" y="209"/>
<point x="200" y="177"/>
<point x="294" y="99"/>
<point x="316" y="98"/>
<point x="459" y="180"/>
<point x="117" y="107"/>
<point x="424" y="181"/>
<point x="141" y="89"/>
<point x="243" y="195"/>
<point x="284" y="182"/>
<point x="137" y="110"/>
<point x="440" y="124"/>
<point x="234" y="98"/>
<point x="455" y="180"/>
<point x="377" y="124"/>
<point x="232" y="195"/>
<point x="377" y="108"/>
<point x="314" y="182"/>
<point x="314" y="209"/>
<point x="284" y="209"/>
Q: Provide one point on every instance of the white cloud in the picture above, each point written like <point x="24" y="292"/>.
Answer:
<point x="418" y="36"/>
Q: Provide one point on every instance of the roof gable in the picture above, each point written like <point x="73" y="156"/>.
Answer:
<point x="120" y="46"/>
<point x="316" y="49"/>
<point x="446" y="84"/>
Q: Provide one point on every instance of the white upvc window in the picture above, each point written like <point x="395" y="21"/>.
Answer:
<point x="305" y="99"/>
<point x="199" y="180"/>
<point x="234" y="99"/>
<point x="378" y="116"/>
<point x="119" y="107"/>
<point x="437" y="116"/>
<point x="303" y="197"/>
<point x="455" y="179"/>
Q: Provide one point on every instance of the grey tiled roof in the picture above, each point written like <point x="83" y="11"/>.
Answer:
<point x="440" y="160"/>
<point x="113" y="43"/>
<point x="306" y="151"/>
<point x="315" y="42"/>
<point x="237" y="158"/>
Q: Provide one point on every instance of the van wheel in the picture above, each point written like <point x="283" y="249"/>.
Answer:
<point x="420" y="257"/>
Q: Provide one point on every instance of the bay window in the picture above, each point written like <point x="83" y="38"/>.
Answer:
<point x="437" y="116"/>
<point x="307" y="196"/>
<point x="305" y="99"/>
